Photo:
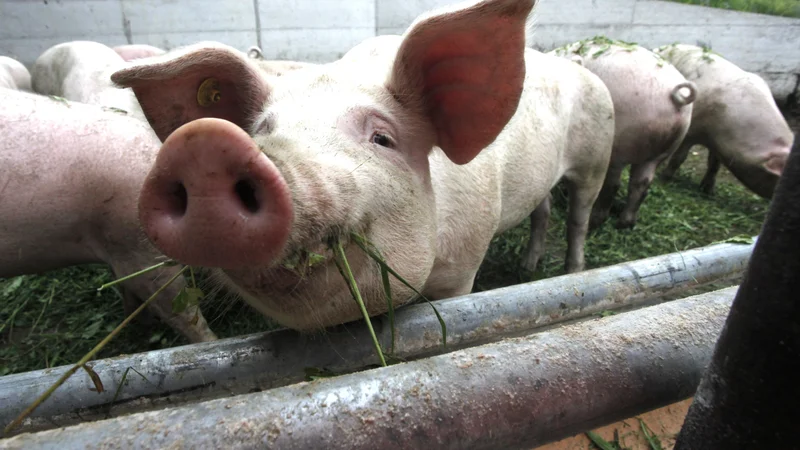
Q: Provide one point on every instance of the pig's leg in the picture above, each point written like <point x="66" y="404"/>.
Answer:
<point x="707" y="185"/>
<point x="602" y="207"/>
<point x="641" y="177"/>
<point x="539" y="219"/>
<point x="583" y="193"/>
<point x="189" y="322"/>
<point x="675" y="162"/>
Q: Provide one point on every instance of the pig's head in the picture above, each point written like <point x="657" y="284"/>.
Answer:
<point x="752" y="134"/>
<point x="258" y="174"/>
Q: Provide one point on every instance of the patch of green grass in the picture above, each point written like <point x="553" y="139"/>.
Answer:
<point x="787" y="8"/>
<point x="56" y="318"/>
<point x="676" y="216"/>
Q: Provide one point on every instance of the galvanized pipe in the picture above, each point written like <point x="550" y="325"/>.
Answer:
<point x="258" y="362"/>
<point x="517" y="393"/>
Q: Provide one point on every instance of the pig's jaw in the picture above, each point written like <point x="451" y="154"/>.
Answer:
<point x="313" y="297"/>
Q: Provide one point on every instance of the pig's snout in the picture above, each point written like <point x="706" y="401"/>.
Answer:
<point x="776" y="162"/>
<point x="213" y="199"/>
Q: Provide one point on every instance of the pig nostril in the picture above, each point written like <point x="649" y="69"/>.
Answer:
<point x="178" y="200"/>
<point x="246" y="193"/>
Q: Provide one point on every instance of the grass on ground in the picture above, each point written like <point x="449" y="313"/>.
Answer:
<point x="54" y="319"/>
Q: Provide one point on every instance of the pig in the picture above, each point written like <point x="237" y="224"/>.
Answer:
<point x="68" y="194"/>
<point x="446" y="138"/>
<point x="14" y="75"/>
<point x="137" y="51"/>
<point x="653" y="110"/>
<point x="80" y="71"/>
<point x="275" y="67"/>
<point x="735" y="117"/>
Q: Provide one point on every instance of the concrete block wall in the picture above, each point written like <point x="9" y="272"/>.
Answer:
<point x="322" y="30"/>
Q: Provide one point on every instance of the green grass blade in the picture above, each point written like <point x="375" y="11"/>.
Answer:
<point x="136" y="274"/>
<point x="344" y="268"/>
<point x="119" y="388"/>
<point x="10" y="322"/>
<point x="652" y="439"/>
<point x="599" y="441"/>
<point x="365" y="246"/>
<point x="49" y="300"/>
<point x="387" y="288"/>
<point x="16" y="422"/>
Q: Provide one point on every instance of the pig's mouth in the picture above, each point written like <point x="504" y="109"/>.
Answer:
<point x="306" y="290"/>
<point x="299" y="266"/>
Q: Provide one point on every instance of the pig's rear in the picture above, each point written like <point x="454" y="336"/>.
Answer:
<point x="735" y="117"/>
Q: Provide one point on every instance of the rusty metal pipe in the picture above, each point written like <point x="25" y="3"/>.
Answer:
<point x="517" y="393"/>
<point x="251" y="363"/>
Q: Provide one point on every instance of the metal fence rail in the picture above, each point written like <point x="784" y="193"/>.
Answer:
<point x="252" y="363"/>
<point x="517" y="393"/>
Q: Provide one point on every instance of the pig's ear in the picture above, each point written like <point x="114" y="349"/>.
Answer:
<point x="464" y="69"/>
<point x="198" y="81"/>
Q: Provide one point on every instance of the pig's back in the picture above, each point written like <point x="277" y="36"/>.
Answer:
<point x="14" y="74"/>
<point x="75" y="162"/>
<point x="81" y="71"/>
<point x="542" y="141"/>
<point x="734" y="108"/>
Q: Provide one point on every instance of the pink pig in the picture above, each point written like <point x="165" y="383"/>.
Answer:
<point x="68" y="193"/>
<point x="14" y="75"/>
<point x="429" y="147"/>
<point x="81" y="71"/>
<point x="137" y="51"/>
<point x="735" y="117"/>
<point x="653" y="107"/>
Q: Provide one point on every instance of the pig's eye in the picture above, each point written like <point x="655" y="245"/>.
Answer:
<point x="382" y="140"/>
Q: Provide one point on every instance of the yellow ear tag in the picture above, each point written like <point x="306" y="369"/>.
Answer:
<point x="208" y="92"/>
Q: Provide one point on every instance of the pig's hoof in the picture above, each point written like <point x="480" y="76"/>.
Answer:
<point x="707" y="189"/>
<point x="596" y="222"/>
<point x="530" y="264"/>
<point x="575" y="267"/>
<point x="625" y="224"/>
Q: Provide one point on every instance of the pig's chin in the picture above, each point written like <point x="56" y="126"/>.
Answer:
<point x="309" y="296"/>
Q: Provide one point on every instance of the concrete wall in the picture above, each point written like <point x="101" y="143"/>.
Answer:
<point x="322" y="30"/>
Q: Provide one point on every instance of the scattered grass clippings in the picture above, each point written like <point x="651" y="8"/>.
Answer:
<point x="601" y="443"/>
<point x="652" y="439"/>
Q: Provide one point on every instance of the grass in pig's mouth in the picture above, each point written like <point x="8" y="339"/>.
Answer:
<point x="299" y="263"/>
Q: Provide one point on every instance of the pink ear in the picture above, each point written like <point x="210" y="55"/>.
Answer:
<point x="465" y="69"/>
<point x="199" y="81"/>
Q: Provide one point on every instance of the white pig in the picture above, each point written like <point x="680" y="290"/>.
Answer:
<point x="428" y="150"/>
<point x="653" y="110"/>
<point x="275" y="67"/>
<point x="14" y="75"/>
<point x="68" y="192"/>
<point x="80" y="71"/>
<point x="137" y="51"/>
<point x="735" y="117"/>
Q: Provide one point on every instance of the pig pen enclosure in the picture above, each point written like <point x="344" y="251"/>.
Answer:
<point x="53" y="319"/>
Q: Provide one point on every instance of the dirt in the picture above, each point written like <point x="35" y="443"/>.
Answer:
<point x="664" y="422"/>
